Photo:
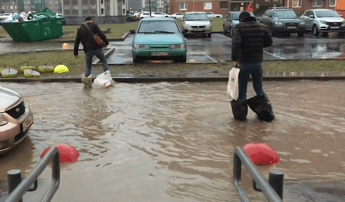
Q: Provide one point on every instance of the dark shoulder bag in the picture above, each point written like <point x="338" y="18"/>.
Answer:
<point x="98" y="40"/>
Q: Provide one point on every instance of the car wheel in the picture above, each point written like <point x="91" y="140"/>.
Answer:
<point x="315" y="30"/>
<point x="300" y="34"/>
<point x="209" y="35"/>
<point x="273" y="33"/>
<point x="217" y="17"/>
<point x="181" y="59"/>
<point x="136" y="60"/>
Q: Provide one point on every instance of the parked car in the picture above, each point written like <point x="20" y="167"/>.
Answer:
<point x="231" y="20"/>
<point x="63" y="18"/>
<point x="177" y="15"/>
<point x="283" y="20"/>
<point x="197" y="23"/>
<point x="136" y="15"/>
<point x="212" y="15"/>
<point x="6" y="16"/>
<point x="130" y="17"/>
<point x="159" y="38"/>
<point x="144" y="15"/>
<point x="323" y="21"/>
<point x="159" y="14"/>
<point x="15" y="119"/>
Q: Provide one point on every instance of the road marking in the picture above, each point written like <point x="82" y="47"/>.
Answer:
<point x="214" y="60"/>
<point x="274" y="55"/>
<point x="224" y="37"/>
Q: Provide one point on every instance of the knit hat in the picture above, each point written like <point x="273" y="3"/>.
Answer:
<point x="243" y="15"/>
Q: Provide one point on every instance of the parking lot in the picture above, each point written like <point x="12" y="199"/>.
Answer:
<point x="218" y="48"/>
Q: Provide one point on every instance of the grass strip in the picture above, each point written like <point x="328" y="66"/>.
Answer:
<point x="77" y="65"/>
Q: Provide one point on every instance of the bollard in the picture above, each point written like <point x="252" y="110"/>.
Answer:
<point x="276" y="180"/>
<point x="14" y="178"/>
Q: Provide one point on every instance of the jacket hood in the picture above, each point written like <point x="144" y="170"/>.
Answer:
<point x="248" y="19"/>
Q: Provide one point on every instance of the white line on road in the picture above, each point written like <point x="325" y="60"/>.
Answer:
<point x="210" y="57"/>
<point x="274" y="55"/>
<point x="224" y="37"/>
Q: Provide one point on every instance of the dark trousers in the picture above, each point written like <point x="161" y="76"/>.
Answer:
<point x="246" y="70"/>
<point x="88" y="58"/>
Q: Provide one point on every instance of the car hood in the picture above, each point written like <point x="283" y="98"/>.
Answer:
<point x="158" y="39"/>
<point x="197" y="23"/>
<point x="7" y="98"/>
<point x="334" y="19"/>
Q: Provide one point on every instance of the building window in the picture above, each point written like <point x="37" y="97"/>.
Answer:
<point x="102" y="11"/>
<point x="332" y="3"/>
<point x="74" y="2"/>
<point x="223" y="4"/>
<point x="101" y="1"/>
<point x="123" y="2"/>
<point x="85" y="12"/>
<point x="296" y="3"/>
<point x="317" y="3"/>
<point x="207" y="5"/>
<point x="183" y="6"/>
<point x="123" y="11"/>
<point x="66" y="2"/>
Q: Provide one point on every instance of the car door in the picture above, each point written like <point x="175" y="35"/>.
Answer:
<point x="227" y="22"/>
<point x="308" y="21"/>
<point x="265" y="18"/>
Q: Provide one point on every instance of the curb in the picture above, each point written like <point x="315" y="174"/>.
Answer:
<point x="163" y="79"/>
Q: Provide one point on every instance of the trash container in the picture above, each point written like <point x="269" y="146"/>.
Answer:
<point x="41" y="25"/>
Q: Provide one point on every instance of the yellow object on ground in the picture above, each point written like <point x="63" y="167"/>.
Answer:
<point x="61" y="69"/>
<point x="27" y="67"/>
<point x="31" y="73"/>
<point x="9" y="73"/>
<point x="45" y="69"/>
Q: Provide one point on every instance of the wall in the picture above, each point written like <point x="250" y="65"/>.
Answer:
<point x="73" y="20"/>
<point x="198" y="6"/>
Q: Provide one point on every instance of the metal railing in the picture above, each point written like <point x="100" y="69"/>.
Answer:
<point x="17" y="187"/>
<point x="272" y="190"/>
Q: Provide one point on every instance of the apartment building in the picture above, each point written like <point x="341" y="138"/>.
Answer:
<point x="94" y="8"/>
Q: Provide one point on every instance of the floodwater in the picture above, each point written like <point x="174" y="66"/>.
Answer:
<point x="174" y="142"/>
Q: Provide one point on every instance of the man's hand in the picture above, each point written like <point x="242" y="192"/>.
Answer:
<point x="235" y="64"/>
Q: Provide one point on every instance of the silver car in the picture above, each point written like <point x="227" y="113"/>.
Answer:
<point x="15" y="119"/>
<point x="197" y="23"/>
<point x="323" y="21"/>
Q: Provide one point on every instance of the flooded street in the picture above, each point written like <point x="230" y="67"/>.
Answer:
<point x="174" y="142"/>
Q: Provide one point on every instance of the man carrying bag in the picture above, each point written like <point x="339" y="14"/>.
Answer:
<point x="85" y="35"/>
<point x="250" y="37"/>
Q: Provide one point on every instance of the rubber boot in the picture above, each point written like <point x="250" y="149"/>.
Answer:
<point x="87" y="81"/>
<point x="239" y="110"/>
<point x="262" y="107"/>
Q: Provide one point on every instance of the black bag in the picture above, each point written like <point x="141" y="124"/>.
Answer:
<point x="239" y="110"/>
<point x="97" y="39"/>
<point x="262" y="107"/>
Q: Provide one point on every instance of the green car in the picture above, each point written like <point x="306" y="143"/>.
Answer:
<point x="158" y="39"/>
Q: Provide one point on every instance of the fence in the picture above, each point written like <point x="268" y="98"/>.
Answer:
<point x="17" y="187"/>
<point x="272" y="190"/>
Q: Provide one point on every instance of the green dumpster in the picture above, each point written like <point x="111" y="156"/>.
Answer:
<point x="42" y="25"/>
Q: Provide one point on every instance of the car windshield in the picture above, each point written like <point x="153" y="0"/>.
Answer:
<point x="196" y="17"/>
<point x="323" y="14"/>
<point x="284" y="14"/>
<point x="158" y="27"/>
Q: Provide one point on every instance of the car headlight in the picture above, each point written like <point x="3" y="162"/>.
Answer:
<point x="323" y="22"/>
<point x="141" y="46"/>
<point x="278" y="23"/>
<point x="3" y="120"/>
<point x="178" y="46"/>
<point x="302" y="23"/>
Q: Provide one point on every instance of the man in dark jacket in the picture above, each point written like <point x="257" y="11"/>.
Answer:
<point x="89" y="45"/>
<point x="250" y="37"/>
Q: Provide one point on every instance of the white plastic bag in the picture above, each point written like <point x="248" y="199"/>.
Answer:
<point x="104" y="79"/>
<point x="232" y="89"/>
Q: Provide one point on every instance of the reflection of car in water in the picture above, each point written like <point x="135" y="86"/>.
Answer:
<point x="15" y="119"/>
<point x="323" y="51"/>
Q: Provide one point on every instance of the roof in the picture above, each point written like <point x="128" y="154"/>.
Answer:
<point x="158" y="19"/>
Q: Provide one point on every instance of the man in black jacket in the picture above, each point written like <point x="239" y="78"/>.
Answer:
<point x="250" y="37"/>
<point x="89" y="45"/>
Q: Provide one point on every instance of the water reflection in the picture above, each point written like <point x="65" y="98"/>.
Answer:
<point x="175" y="141"/>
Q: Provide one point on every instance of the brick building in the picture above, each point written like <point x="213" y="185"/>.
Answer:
<point x="259" y="6"/>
